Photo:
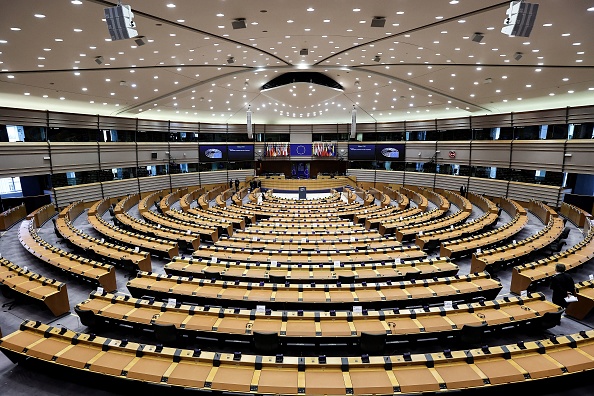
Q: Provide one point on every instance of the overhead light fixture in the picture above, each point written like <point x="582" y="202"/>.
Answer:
<point x="518" y="56"/>
<point x="99" y="60"/>
<point x="477" y="37"/>
<point x="140" y="41"/>
<point x="120" y="22"/>
<point x="378" y="22"/>
<point x="304" y="51"/>
<point x="239" y="23"/>
<point x="377" y="58"/>
<point x="231" y="60"/>
<point x="520" y="19"/>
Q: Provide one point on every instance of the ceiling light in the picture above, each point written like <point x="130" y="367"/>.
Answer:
<point x="171" y="5"/>
<point x="39" y="16"/>
<point x="239" y="23"/>
<point x="310" y="9"/>
<point x="378" y="21"/>
<point x="477" y="37"/>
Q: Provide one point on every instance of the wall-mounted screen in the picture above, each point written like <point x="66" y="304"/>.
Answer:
<point x="358" y="152"/>
<point x="301" y="150"/>
<point x="390" y="152"/>
<point x="213" y="153"/>
<point x="244" y="152"/>
<point x="279" y="149"/>
<point x="324" y="149"/>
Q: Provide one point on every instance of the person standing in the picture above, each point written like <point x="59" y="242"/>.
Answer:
<point x="562" y="285"/>
<point x="236" y="185"/>
<point x="230" y="183"/>
<point x="462" y="191"/>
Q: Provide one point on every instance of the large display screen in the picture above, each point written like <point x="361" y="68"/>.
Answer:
<point x="213" y="153"/>
<point x="358" y="152"/>
<point x="390" y="152"/>
<point x="243" y="152"/>
<point x="301" y="150"/>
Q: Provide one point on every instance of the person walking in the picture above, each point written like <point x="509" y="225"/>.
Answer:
<point x="562" y="285"/>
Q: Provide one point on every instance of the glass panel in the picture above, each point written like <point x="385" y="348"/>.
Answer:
<point x="390" y="165"/>
<point x="456" y="134"/>
<point x="363" y="165"/>
<point x="581" y="131"/>
<point x="390" y="136"/>
<point x="10" y="185"/>
<point x="75" y="178"/>
<point x="240" y="165"/>
<point x="74" y="135"/>
<point x="151" y="136"/>
<point x="527" y="133"/>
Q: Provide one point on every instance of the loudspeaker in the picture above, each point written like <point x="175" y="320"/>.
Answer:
<point x="153" y="155"/>
<point x="239" y="23"/>
<point x="304" y="51"/>
<point x="378" y="21"/>
<point x="520" y="19"/>
<point x="248" y="124"/>
<point x="120" y="22"/>
<point x="353" y="123"/>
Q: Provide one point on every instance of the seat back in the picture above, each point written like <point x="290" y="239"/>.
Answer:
<point x="266" y="342"/>
<point x="87" y="317"/>
<point x="372" y="343"/>
<point x="472" y="334"/>
<point x="550" y="319"/>
<point x="165" y="333"/>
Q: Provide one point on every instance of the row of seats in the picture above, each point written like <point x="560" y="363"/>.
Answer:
<point x="432" y="239"/>
<point x="299" y="244"/>
<point x="402" y="293"/>
<point x="16" y="281"/>
<point x="466" y="245"/>
<point x="525" y="276"/>
<point x="81" y="267"/>
<point x="320" y="327"/>
<point x="464" y="206"/>
<point x="281" y="273"/>
<point x="449" y="370"/>
<point x="131" y="258"/>
<point x="310" y="257"/>
<point x="494" y="259"/>
<point x="156" y="246"/>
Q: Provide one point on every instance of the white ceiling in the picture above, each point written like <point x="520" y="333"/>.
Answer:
<point x="429" y="67"/>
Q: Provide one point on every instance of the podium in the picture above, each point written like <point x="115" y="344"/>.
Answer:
<point x="302" y="193"/>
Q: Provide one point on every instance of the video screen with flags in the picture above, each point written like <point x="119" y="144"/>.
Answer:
<point x="278" y="149"/>
<point x="324" y="149"/>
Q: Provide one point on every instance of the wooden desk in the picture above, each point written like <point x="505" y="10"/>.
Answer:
<point x="207" y="371"/>
<point x="247" y="294"/>
<point x="231" y="270"/>
<point x="27" y="284"/>
<point x="41" y="215"/>
<point x="12" y="216"/>
<point x="81" y="267"/>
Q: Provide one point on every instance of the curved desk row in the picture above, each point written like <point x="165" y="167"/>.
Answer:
<point x="309" y="257"/>
<point x="235" y="372"/>
<point x="321" y="327"/>
<point x="228" y="270"/>
<point x="74" y="265"/>
<point x="525" y="275"/>
<point x="247" y="294"/>
<point x="27" y="284"/>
